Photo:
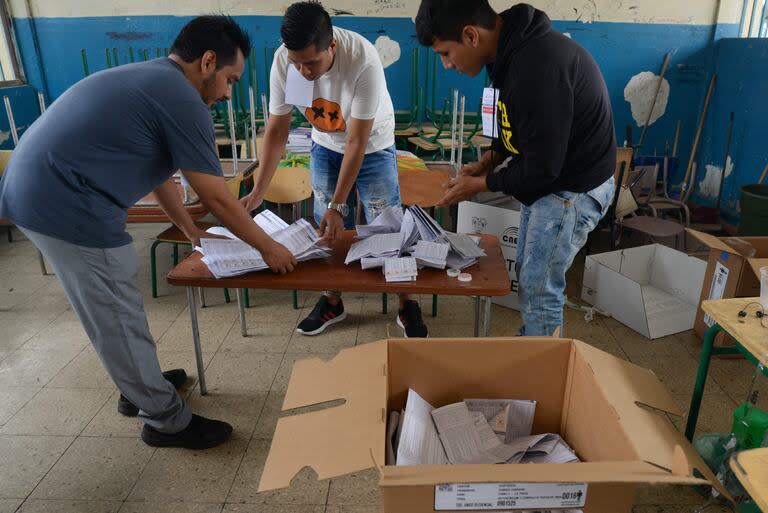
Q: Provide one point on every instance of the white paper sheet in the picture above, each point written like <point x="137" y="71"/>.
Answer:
<point x="388" y="221"/>
<point x="298" y="90"/>
<point x="383" y="245"/>
<point x="419" y="442"/>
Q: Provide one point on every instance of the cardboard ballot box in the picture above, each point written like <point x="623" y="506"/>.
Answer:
<point x="610" y="412"/>
<point x="652" y="289"/>
<point x="733" y="270"/>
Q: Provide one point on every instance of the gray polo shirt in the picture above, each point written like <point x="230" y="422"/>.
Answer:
<point x="108" y="141"/>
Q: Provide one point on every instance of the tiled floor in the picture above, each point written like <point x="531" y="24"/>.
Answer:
<point x="64" y="448"/>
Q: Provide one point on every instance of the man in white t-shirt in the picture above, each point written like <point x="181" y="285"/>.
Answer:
<point x="353" y="142"/>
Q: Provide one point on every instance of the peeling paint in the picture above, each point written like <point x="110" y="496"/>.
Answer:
<point x="640" y="92"/>
<point x="710" y="185"/>
<point x="728" y="167"/>
<point x="389" y="50"/>
<point x="4" y="136"/>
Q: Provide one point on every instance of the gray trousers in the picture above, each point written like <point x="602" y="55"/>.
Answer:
<point x="101" y="287"/>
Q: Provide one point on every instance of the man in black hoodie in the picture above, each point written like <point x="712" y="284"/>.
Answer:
<point x="556" y="144"/>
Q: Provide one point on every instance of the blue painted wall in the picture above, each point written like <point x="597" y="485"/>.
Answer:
<point x="621" y="49"/>
<point x="25" y="108"/>
<point x="742" y="88"/>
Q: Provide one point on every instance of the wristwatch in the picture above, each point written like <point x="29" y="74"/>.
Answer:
<point x="341" y="208"/>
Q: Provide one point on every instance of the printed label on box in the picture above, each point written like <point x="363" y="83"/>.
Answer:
<point x="495" y="496"/>
<point x="717" y="289"/>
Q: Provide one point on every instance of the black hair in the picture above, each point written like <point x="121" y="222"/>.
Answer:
<point x="305" y="24"/>
<point x="445" y="19"/>
<point x="220" y="34"/>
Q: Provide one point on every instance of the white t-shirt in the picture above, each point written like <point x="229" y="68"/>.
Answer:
<point x="354" y="87"/>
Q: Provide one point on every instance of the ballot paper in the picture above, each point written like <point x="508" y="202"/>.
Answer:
<point x="385" y="245"/>
<point x="510" y="419"/>
<point x="400" y="269"/>
<point x="464" y="245"/>
<point x="298" y="90"/>
<point x="393" y="422"/>
<point x="561" y="452"/>
<point x="232" y="257"/>
<point x="431" y="254"/>
<point x="428" y="228"/>
<point x="388" y="221"/>
<point x="419" y="442"/>
<point x="408" y="230"/>
<point x="467" y="438"/>
<point x="371" y="263"/>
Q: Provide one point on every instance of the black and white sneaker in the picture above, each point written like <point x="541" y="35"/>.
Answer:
<point x="323" y="315"/>
<point x="409" y="319"/>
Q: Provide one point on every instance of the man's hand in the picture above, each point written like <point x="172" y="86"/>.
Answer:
<point x="462" y="188"/>
<point x="279" y="259"/>
<point x="331" y="225"/>
<point x="474" y="169"/>
<point x="252" y="201"/>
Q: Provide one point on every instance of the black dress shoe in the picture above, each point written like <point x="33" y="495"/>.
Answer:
<point x="201" y="433"/>
<point x="176" y="377"/>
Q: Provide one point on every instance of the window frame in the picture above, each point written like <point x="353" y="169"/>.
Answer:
<point x="10" y="36"/>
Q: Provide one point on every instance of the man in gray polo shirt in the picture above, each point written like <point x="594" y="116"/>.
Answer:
<point x="105" y="143"/>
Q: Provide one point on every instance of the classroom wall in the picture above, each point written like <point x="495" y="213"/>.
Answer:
<point x="627" y="39"/>
<point x="742" y="88"/>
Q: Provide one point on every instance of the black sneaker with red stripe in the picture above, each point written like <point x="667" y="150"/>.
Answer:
<point x="409" y="318"/>
<point x="323" y="315"/>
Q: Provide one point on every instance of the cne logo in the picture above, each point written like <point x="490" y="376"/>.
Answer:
<point x="509" y="237"/>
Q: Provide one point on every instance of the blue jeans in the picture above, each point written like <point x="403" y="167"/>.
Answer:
<point x="552" y="231"/>
<point x="376" y="182"/>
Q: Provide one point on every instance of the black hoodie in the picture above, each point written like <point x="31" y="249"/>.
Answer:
<point x="554" y="113"/>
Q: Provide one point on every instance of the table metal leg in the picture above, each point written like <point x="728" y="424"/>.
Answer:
<point x="477" y="316"/>
<point x="241" y="309"/>
<point x="487" y="317"/>
<point x="196" y="339"/>
<point x="701" y="380"/>
<point x="202" y="297"/>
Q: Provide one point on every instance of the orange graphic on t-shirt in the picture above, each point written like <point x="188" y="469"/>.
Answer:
<point x="326" y="116"/>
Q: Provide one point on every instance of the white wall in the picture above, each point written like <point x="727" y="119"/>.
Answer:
<point x="699" y="12"/>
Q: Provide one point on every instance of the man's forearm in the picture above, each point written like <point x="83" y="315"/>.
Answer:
<point x="167" y="196"/>
<point x="354" y="155"/>
<point x="490" y="160"/>
<point x="232" y="215"/>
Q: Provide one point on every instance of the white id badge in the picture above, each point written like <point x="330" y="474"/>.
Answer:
<point x="490" y="98"/>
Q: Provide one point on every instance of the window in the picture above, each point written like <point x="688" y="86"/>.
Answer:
<point x="10" y="71"/>
<point x="753" y="19"/>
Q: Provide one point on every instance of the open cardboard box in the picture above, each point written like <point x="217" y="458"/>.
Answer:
<point x="734" y="273"/>
<point x="652" y="289"/>
<point x="610" y="412"/>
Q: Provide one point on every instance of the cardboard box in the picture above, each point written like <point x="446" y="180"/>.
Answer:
<point x="504" y="224"/>
<point x="610" y="412"/>
<point x="731" y="272"/>
<point x="652" y="289"/>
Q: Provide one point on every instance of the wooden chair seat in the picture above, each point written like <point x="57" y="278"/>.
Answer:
<point x="424" y="144"/>
<point x="446" y="144"/>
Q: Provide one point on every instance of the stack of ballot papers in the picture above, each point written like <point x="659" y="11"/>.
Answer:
<point x="232" y="257"/>
<point x="400" y="269"/>
<point x="413" y="233"/>
<point x="299" y="140"/>
<point x="474" y="431"/>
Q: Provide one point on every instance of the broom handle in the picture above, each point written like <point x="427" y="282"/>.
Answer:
<point x="698" y="131"/>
